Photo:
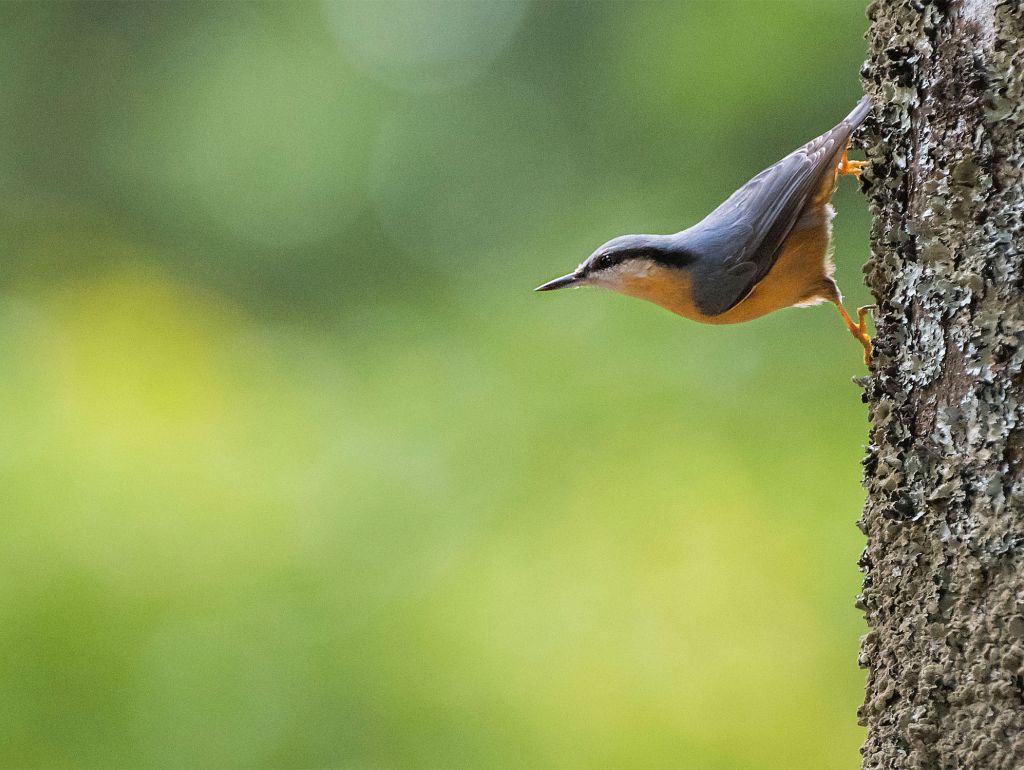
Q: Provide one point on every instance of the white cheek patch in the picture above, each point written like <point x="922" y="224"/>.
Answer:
<point x="630" y="270"/>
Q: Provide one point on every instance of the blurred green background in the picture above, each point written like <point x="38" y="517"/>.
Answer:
<point x="296" y="471"/>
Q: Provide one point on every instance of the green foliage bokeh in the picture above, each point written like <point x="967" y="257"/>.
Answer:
<point x="296" y="469"/>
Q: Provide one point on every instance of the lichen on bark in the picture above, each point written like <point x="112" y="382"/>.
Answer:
<point x="944" y="517"/>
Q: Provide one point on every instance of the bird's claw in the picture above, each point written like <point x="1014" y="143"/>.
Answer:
<point x="862" y="331"/>
<point x="851" y="167"/>
<point x="859" y="330"/>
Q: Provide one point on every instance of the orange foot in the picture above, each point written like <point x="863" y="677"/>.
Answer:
<point x="854" y="167"/>
<point x="860" y="329"/>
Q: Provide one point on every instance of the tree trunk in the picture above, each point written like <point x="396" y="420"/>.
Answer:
<point x="944" y="518"/>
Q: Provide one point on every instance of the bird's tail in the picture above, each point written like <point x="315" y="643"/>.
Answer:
<point x="860" y="112"/>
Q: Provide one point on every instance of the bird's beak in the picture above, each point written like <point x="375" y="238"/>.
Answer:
<point x="572" y="279"/>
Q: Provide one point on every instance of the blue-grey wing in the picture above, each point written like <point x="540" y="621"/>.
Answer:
<point x="738" y="243"/>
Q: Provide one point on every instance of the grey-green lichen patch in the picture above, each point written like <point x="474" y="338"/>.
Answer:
<point x="944" y="519"/>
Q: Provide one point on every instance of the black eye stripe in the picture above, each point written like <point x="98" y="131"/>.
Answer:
<point x="613" y="258"/>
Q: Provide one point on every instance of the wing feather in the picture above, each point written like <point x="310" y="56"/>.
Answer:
<point x="739" y="242"/>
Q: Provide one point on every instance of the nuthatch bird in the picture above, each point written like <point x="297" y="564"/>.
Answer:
<point x="765" y="248"/>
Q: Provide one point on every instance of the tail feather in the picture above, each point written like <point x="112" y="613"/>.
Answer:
<point x="860" y="112"/>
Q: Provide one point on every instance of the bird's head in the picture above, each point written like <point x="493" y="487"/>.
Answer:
<point x="637" y="265"/>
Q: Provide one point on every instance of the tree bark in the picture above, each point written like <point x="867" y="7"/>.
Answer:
<point x="944" y="518"/>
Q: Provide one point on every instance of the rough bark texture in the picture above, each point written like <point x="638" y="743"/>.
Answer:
<point x="944" y="519"/>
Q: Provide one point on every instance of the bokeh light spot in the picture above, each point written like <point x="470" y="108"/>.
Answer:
<point x="425" y="46"/>
<point x="453" y="180"/>
<point x="279" y="163"/>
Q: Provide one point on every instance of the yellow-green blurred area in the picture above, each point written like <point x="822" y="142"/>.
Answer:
<point x="297" y="471"/>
